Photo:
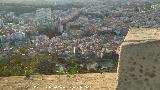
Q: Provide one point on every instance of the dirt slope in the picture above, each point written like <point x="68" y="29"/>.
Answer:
<point x="95" y="81"/>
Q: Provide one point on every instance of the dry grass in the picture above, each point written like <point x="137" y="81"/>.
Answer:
<point x="94" y="81"/>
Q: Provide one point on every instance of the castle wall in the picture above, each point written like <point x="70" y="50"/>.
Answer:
<point x="139" y="63"/>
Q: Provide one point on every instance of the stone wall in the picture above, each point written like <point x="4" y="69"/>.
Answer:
<point x="139" y="63"/>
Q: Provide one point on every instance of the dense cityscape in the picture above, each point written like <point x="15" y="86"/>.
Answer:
<point x="62" y="37"/>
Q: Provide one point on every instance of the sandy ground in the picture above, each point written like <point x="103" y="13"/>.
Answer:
<point x="95" y="81"/>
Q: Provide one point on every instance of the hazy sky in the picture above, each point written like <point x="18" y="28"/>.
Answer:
<point x="43" y="1"/>
<point x="38" y="0"/>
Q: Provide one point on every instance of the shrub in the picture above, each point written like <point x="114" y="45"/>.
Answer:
<point x="60" y="73"/>
<point x="73" y="70"/>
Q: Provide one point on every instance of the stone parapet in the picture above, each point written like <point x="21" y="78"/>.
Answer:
<point x="139" y="62"/>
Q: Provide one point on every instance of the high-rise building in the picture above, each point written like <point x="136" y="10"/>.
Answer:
<point x="1" y="22"/>
<point x="10" y="15"/>
<point x="43" y="15"/>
